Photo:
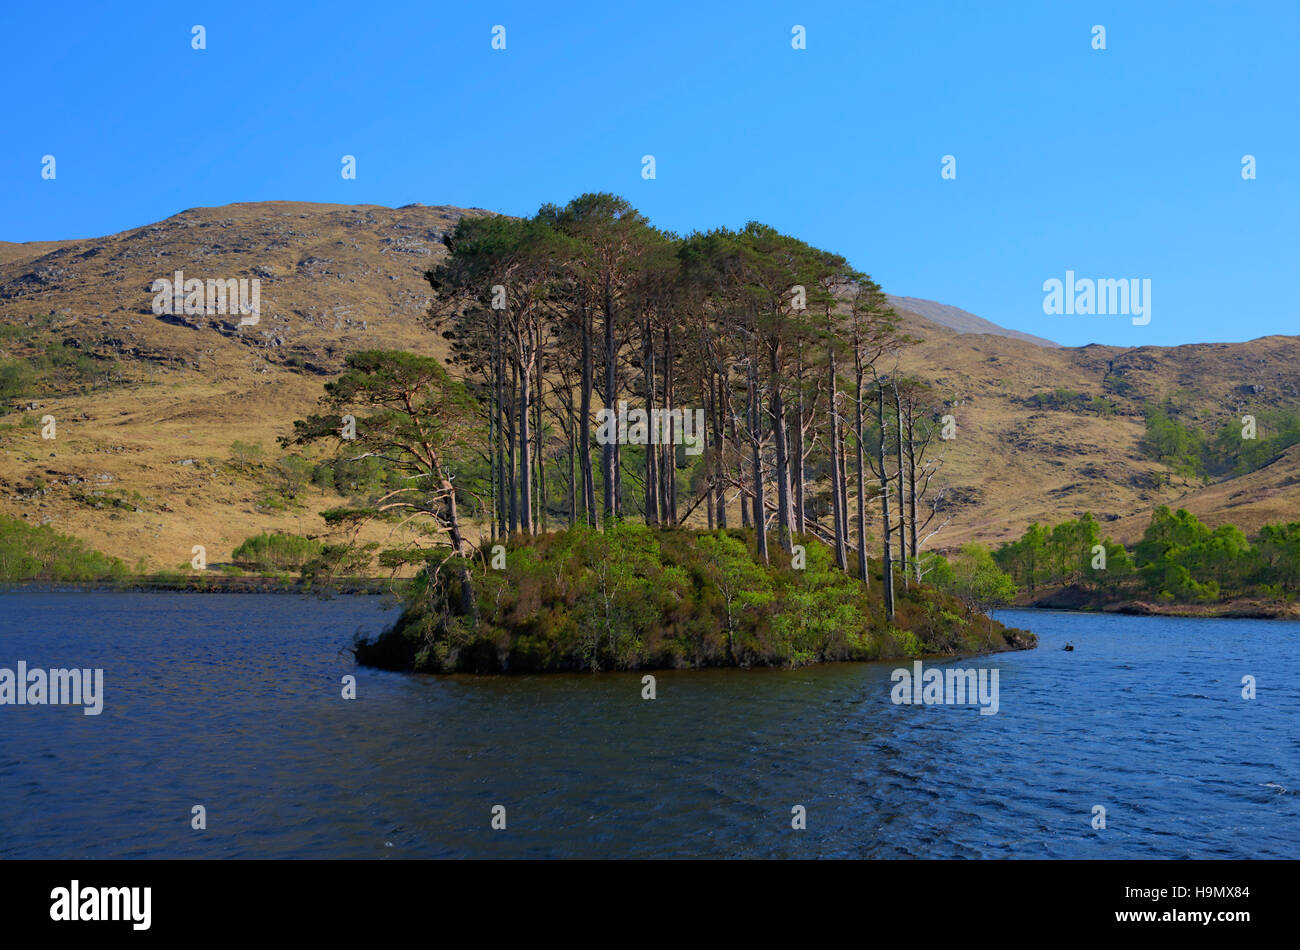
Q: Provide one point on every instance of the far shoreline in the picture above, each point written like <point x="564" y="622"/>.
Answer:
<point x="201" y="584"/>
<point x="1241" y="609"/>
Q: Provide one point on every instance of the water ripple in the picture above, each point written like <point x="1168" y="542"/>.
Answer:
<point x="233" y="702"/>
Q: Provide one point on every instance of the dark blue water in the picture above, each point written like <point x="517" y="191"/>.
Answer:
<point x="233" y="702"/>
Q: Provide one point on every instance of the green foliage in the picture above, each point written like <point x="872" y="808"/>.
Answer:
<point x="1178" y="560"/>
<point x="1064" y="555"/>
<point x="52" y="364"/>
<point x="276" y="553"/>
<point x="1230" y="454"/>
<point x="28" y="552"/>
<point x="823" y="611"/>
<point x="1170" y="581"/>
<point x="412" y="420"/>
<point x="1278" y="551"/>
<point x="1027" y="560"/>
<point x="16" y="378"/>
<point x="978" y="581"/>
<point x="1181" y="559"/>
<point x="1120" y="567"/>
<point x="292" y="474"/>
<point x="348" y="476"/>
<point x="1060" y="399"/>
<point x="1171" y="443"/>
<point x="62" y="363"/>
<point x="936" y="570"/>
<point x="1189" y="452"/>
<point x="742" y="584"/>
<point x="246" y="455"/>
<point x="342" y="560"/>
<point x="908" y="644"/>
<point x="1103" y="407"/>
<point x="1067" y="400"/>
<point x="635" y="596"/>
<point x="282" y="480"/>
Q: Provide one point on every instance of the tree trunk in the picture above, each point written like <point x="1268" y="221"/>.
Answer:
<point x="841" y="556"/>
<point x="492" y="445"/>
<point x="902" y="499"/>
<point x="468" y="605"/>
<point x="745" y="507"/>
<point x="887" y="566"/>
<point x="800" y="518"/>
<point x="669" y="469"/>
<point x="719" y="445"/>
<point x="573" y="458"/>
<point x="651" y="447"/>
<point x="525" y="448"/>
<point x="609" y="451"/>
<point x="911" y="494"/>
<point x="584" y="414"/>
<point x="760" y="507"/>
<point x="706" y="389"/>
<point x="782" y="458"/>
<point x="541" y="454"/>
<point x="841" y="459"/>
<point x="514" y="425"/>
<point x="503" y="512"/>
<point x="862" y="484"/>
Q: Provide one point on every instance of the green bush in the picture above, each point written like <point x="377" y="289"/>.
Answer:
<point x="15" y="380"/>
<point x="277" y="553"/>
<point x="29" y="552"/>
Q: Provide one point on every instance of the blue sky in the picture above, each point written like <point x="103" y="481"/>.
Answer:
<point x="1116" y="163"/>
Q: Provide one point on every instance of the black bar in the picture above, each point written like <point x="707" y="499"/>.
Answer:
<point x="369" y="899"/>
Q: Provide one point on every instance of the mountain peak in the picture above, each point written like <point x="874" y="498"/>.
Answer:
<point x="954" y="318"/>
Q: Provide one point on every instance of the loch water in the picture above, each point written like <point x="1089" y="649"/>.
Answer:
<point x="234" y="702"/>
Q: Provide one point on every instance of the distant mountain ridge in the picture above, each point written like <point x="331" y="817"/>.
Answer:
<point x="954" y="318"/>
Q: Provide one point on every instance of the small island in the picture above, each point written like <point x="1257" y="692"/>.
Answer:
<point x="636" y="597"/>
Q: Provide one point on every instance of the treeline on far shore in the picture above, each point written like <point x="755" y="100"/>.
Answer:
<point x="1179" y="560"/>
<point x="38" y="555"/>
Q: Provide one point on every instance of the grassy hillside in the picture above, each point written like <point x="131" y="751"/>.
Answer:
<point x="148" y="407"/>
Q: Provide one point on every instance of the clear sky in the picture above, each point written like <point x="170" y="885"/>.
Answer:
<point x="1116" y="163"/>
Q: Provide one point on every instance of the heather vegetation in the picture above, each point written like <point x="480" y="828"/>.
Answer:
<point x="637" y="596"/>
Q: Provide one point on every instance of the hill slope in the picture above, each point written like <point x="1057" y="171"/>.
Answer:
<point x="954" y="318"/>
<point x="141" y="466"/>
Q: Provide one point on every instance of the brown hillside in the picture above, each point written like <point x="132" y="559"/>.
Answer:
<point x="154" y="437"/>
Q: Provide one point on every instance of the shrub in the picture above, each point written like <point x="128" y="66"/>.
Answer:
<point x="277" y="553"/>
